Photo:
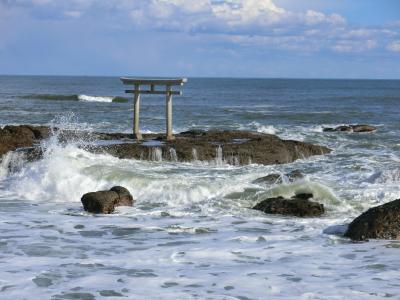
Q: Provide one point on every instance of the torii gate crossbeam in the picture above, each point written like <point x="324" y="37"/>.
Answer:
<point x="152" y="83"/>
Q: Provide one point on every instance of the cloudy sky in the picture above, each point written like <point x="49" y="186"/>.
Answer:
<point x="217" y="38"/>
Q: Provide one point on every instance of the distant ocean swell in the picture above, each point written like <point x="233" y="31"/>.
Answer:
<point x="86" y="98"/>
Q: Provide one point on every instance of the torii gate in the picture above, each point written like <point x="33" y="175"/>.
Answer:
<point x="152" y="83"/>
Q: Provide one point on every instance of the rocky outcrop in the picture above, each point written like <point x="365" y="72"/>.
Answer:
<point x="232" y="147"/>
<point x="279" y="178"/>
<point x="299" y="206"/>
<point x="363" y="128"/>
<point x="104" y="202"/>
<point x="14" y="137"/>
<point x="351" y="128"/>
<point x="380" y="222"/>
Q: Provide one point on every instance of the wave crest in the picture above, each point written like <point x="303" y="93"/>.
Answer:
<point x="80" y="97"/>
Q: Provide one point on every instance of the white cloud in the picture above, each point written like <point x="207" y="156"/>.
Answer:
<point x="394" y="46"/>
<point x="243" y="12"/>
<point x="354" y="45"/>
<point x="73" y="13"/>
<point x="243" y="22"/>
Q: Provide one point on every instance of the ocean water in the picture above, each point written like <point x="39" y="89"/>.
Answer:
<point x="191" y="234"/>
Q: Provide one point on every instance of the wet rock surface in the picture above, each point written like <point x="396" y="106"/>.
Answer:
<point x="351" y="128"/>
<point x="232" y="147"/>
<point x="299" y="206"/>
<point x="104" y="202"/>
<point x="380" y="222"/>
<point x="14" y="137"/>
<point x="280" y="178"/>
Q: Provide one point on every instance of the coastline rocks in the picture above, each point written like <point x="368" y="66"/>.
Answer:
<point x="380" y="222"/>
<point x="219" y="146"/>
<point x="14" y="137"/>
<point x="104" y="202"/>
<point x="363" y="128"/>
<point x="351" y="128"/>
<point x="278" y="178"/>
<point x="231" y="147"/>
<point x="299" y="206"/>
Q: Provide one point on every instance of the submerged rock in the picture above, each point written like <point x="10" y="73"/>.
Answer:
<point x="299" y="206"/>
<point x="363" y="128"/>
<point x="104" y="202"/>
<point x="351" y="128"/>
<point x="380" y="222"/>
<point x="278" y="179"/>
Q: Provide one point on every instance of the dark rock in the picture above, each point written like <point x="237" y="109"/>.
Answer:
<point x="328" y="129"/>
<point x="14" y="137"/>
<point x="380" y="222"/>
<point x="298" y="205"/>
<point x="104" y="202"/>
<point x="304" y="196"/>
<point x="269" y="179"/>
<point x="351" y="128"/>
<point x="253" y="147"/>
<point x="277" y="178"/>
<point x="193" y="132"/>
<point x="256" y="148"/>
<point x="125" y="197"/>
<point x="339" y="128"/>
<point x="343" y="128"/>
<point x="363" y="128"/>
<point x="101" y="202"/>
<point x="295" y="175"/>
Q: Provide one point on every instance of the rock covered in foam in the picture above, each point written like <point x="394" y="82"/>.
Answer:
<point x="351" y="128"/>
<point x="279" y="178"/>
<point x="299" y="206"/>
<point x="104" y="202"/>
<point x="380" y="222"/>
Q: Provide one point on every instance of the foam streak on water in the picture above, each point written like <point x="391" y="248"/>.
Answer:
<point x="191" y="234"/>
<point x="94" y="98"/>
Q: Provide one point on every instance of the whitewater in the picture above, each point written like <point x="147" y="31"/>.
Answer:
<point x="191" y="234"/>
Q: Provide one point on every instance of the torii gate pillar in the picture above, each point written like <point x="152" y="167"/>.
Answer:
<point x="168" y="83"/>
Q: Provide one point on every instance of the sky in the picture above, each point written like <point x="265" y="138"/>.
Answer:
<point x="202" y="38"/>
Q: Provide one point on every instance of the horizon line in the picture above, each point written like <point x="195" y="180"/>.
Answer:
<point x="201" y="77"/>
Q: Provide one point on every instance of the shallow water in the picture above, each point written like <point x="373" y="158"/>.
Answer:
<point x="191" y="234"/>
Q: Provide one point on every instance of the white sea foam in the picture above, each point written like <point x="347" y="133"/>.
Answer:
<point x="269" y="129"/>
<point x="191" y="233"/>
<point x="88" y="98"/>
<point x="11" y="162"/>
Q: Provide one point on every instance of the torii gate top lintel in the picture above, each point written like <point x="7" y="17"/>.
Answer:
<point x="152" y="83"/>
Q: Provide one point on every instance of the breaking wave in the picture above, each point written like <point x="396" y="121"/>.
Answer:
<point x="81" y="97"/>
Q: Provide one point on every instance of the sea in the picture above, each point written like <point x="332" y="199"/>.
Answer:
<point x="192" y="233"/>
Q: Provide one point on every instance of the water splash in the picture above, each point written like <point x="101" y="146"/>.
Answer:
<point x="172" y="154"/>
<point x="66" y="129"/>
<point x="233" y="160"/>
<point x="155" y="154"/>
<point x="11" y="162"/>
<point x="268" y="129"/>
<point x="219" y="160"/>
<point x="194" y="154"/>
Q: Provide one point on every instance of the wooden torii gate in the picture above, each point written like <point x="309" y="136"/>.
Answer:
<point x="152" y="83"/>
